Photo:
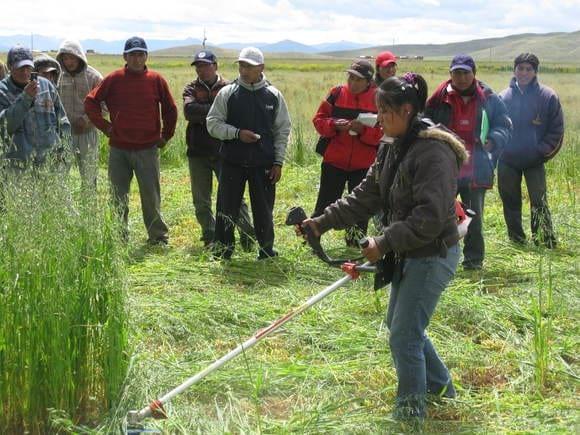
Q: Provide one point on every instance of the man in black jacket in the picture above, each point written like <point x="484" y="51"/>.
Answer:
<point x="202" y="149"/>
<point x="250" y="116"/>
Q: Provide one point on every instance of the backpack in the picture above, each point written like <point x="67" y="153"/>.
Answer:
<point x="323" y="142"/>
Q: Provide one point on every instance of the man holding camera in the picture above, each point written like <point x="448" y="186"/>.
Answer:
<point x="34" y="128"/>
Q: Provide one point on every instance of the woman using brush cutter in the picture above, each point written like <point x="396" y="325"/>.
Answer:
<point x="413" y="182"/>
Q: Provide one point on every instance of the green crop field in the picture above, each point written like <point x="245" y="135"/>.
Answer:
<point x="509" y="333"/>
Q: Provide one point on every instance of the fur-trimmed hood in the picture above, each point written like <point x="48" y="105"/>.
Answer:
<point x="441" y="133"/>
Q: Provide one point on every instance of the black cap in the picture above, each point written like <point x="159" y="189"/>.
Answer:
<point x="135" y="43"/>
<point x="204" y="56"/>
<point x="362" y="68"/>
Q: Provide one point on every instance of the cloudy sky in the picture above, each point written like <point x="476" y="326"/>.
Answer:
<point x="373" y="22"/>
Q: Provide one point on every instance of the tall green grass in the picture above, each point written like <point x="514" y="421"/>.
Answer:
<point x="63" y="320"/>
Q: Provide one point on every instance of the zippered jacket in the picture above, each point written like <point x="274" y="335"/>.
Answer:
<point x="440" y="109"/>
<point x="419" y="207"/>
<point x="345" y="151"/>
<point x="30" y="128"/>
<point x="74" y="87"/>
<point x="197" y="100"/>
<point x="258" y="107"/>
<point x="538" y="124"/>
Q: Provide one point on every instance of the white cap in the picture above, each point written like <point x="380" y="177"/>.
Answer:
<point x="251" y="55"/>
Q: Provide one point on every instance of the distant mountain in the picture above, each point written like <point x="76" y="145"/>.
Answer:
<point x="289" y="46"/>
<point x="561" y="47"/>
<point x="47" y="43"/>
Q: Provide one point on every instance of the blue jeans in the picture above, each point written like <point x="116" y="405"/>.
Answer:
<point x="415" y="292"/>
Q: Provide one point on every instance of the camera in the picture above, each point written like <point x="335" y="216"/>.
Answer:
<point x="34" y="75"/>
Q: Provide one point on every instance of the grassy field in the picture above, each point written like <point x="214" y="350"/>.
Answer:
<point x="509" y="334"/>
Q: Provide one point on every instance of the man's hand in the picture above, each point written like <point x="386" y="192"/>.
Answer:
<point x="357" y="126"/>
<point x="275" y="174"/>
<point x="161" y="143"/>
<point x="80" y="125"/>
<point x="307" y="223"/>
<point x="248" y="136"/>
<point x="341" y="125"/>
<point x="108" y="131"/>
<point x="31" y="88"/>
<point x="372" y="252"/>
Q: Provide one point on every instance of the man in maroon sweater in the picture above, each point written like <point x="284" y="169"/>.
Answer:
<point x="134" y="96"/>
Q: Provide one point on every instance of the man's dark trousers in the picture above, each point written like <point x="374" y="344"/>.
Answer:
<point x="232" y="184"/>
<point x="473" y="243"/>
<point x="510" y="190"/>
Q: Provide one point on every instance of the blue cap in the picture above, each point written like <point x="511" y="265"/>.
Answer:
<point x="462" y="61"/>
<point x="204" y="56"/>
<point x="18" y="57"/>
<point x="135" y="43"/>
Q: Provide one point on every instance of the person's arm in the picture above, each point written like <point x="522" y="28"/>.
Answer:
<point x="14" y="112"/>
<point x="500" y="125"/>
<point x="63" y="121"/>
<point x="359" y="205"/>
<point x="168" y="112"/>
<point x="371" y="136"/>
<point x="434" y="188"/>
<point x="93" y="106"/>
<point x="281" y="130"/>
<point x="217" y="115"/>
<point x="551" y="143"/>
<point x="194" y="110"/>
<point x="323" y="121"/>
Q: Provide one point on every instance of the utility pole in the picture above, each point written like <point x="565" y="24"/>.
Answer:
<point x="31" y="41"/>
<point x="204" y="39"/>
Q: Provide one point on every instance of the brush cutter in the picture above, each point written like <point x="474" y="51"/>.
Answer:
<point x="352" y="270"/>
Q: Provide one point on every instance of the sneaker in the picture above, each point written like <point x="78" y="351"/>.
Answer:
<point x="447" y="392"/>
<point x="266" y="253"/>
<point x="161" y="241"/>
<point x="468" y="265"/>
<point x="410" y="409"/>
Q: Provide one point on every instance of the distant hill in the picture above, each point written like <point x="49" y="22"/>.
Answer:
<point x="555" y="47"/>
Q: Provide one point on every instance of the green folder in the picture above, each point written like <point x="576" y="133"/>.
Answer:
<point x="484" y="127"/>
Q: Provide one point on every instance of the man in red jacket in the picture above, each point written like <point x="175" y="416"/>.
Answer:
<point x="352" y="146"/>
<point x="136" y="98"/>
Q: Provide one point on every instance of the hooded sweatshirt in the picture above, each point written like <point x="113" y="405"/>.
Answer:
<point x="75" y="86"/>
<point x="45" y="60"/>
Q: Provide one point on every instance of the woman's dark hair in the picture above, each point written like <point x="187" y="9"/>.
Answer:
<point x="410" y="88"/>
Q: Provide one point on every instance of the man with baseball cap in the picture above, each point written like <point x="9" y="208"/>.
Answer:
<point x="538" y="119"/>
<point x="35" y="128"/>
<point x="137" y="99"/>
<point x="351" y="146"/>
<point x="203" y="150"/>
<point x="475" y="113"/>
<point x="250" y="116"/>
<point x="386" y="65"/>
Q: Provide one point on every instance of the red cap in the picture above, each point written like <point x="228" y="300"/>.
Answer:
<point x="385" y="58"/>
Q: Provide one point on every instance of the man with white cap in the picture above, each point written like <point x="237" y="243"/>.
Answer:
<point x="250" y="116"/>
<point x="34" y="127"/>
<point x="137" y="99"/>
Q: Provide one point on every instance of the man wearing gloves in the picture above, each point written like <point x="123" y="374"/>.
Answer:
<point x="250" y="116"/>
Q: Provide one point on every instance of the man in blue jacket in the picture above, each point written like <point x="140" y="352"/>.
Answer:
<point x="475" y="113"/>
<point x="34" y="128"/>
<point x="538" y="122"/>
